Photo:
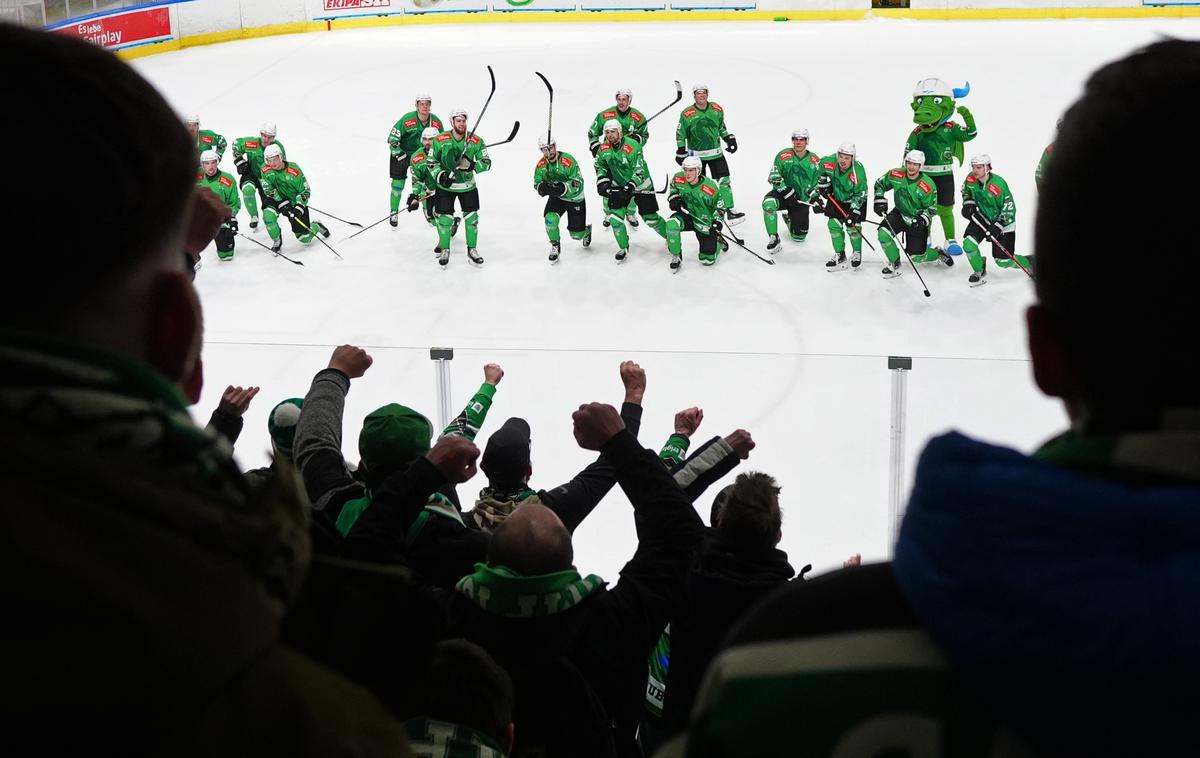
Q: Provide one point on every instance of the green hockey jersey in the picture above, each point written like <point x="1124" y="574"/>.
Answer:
<point x="848" y="187"/>
<point x="798" y="172"/>
<point x="942" y="145"/>
<point x="424" y="180"/>
<point x="252" y="148"/>
<point x="206" y="139"/>
<point x="225" y="187"/>
<point x="564" y="169"/>
<point x="992" y="199"/>
<point x="1040" y="172"/>
<point x="447" y="149"/>
<point x="701" y="199"/>
<point x="701" y="130"/>
<point x="623" y="163"/>
<point x="405" y="136"/>
<point x="632" y="121"/>
<point x="914" y="197"/>
<point x="288" y="183"/>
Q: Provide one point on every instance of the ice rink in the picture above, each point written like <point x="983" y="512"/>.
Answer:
<point x="793" y="354"/>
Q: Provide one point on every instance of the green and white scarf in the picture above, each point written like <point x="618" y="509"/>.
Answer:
<point x="504" y="592"/>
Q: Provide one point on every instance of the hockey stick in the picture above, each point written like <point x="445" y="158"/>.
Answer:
<point x="678" y="97"/>
<point x="269" y="250"/>
<point x="511" y="136"/>
<point x="372" y="226"/>
<point x="318" y="237"/>
<point x="731" y="237"/>
<point x="483" y="110"/>
<point x="550" y="114"/>
<point x="666" y="188"/>
<point x="978" y="220"/>
<point x="335" y="218"/>
<point x="906" y="253"/>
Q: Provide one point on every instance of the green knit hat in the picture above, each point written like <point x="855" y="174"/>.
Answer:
<point x="282" y="425"/>
<point x="392" y="437"/>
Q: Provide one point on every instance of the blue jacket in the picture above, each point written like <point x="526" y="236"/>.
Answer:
<point x="1072" y="601"/>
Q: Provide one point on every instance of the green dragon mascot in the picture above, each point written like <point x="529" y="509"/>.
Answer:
<point x="941" y="139"/>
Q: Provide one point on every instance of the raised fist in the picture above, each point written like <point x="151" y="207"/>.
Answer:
<point x="741" y="442"/>
<point x="633" y="377"/>
<point x="350" y="360"/>
<point x="688" y="421"/>
<point x="596" y="424"/>
<point x="492" y="373"/>
<point x="455" y="456"/>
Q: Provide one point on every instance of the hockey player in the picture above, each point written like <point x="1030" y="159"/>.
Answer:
<point x="558" y="179"/>
<point x="287" y="192"/>
<point x="696" y="202"/>
<point x="914" y="195"/>
<point x="248" y="158"/>
<point x="988" y="204"/>
<point x="424" y="181"/>
<point x="205" y="138"/>
<point x="793" y="181"/>
<point x="842" y="189"/>
<point x="1040" y="171"/>
<point x="701" y="130"/>
<point x="941" y="141"/>
<point x="633" y="125"/>
<point x="222" y="184"/>
<point x="622" y="176"/>
<point x="403" y="141"/>
<point x="457" y="157"/>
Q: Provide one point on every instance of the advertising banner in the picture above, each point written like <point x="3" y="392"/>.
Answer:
<point x="121" y="30"/>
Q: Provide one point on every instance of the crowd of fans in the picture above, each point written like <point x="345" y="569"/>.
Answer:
<point x="161" y="601"/>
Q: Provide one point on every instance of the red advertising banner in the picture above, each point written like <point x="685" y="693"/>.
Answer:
<point x="346" y="5"/>
<point x="123" y="29"/>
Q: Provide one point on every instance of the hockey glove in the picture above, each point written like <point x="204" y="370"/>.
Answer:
<point x="881" y="207"/>
<point x="824" y="185"/>
<point x="969" y="208"/>
<point x="637" y="137"/>
<point x="556" y="189"/>
<point x="786" y="193"/>
<point x="465" y="163"/>
<point x="856" y="216"/>
<point x="543" y="188"/>
<point x="717" y="226"/>
<point x="675" y="203"/>
<point x="412" y="202"/>
<point x="680" y="154"/>
<point x="398" y="155"/>
<point x="818" y="203"/>
<point x="604" y="187"/>
<point x="595" y="148"/>
<point x="731" y="144"/>
<point x="243" y="166"/>
<point x="299" y="211"/>
<point x="284" y="208"/>
<point x="445" y="179"/>
<point x="629" y="189"/>
<point x="920" y="224"/>
<point x="997" y="232"/>
<point x="233" y="225"/>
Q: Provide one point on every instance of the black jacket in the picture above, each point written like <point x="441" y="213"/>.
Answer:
<point x="608" y="635"/>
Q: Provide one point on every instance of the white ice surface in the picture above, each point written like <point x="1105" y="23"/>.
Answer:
<point x="791" y="353"/>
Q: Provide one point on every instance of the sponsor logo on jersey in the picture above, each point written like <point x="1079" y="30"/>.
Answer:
<point x="199" y="176"/>
<point x="924" y="186"/>
<point x="474" y="140"/>
<point x="206" y="139"/>
<point x="786" y="154"/>
<point x="829" y="166"/>
<point x="541" y="163"/>
<point x="716" y="107"/>
<point x="689" y="113"/>
<point x="443" y="136"/>
<point x="812" y="158"/>
<point x="225" y="181"/>
<point x="679" y="179"/>
<point x="898" y="173"/>
<point x="566" y="163"/>
<point x="419" y="157"/>
<point x="608" y="114"/>
<point x="436" y="124"/>
<point x="708" y="189"/>
<point x="635" y="115"/>
<point x="252" y="144"/>
<point x="410" y="123"/>
<point x="292" y="171"/>
<point x="627" y="148"/>
<point x="994" y="189"/>
<point x="605" y="146"/>
<point x="853" y="177"/>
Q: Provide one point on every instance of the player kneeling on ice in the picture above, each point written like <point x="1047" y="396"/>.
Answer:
<point x="633" y="125"/>
<point x="558" y="179"/>
<point x="842" y="190"/>
<point x="287" y="194"/>
<point x="695" y="200"/>
<point x="793" y="181"/>
<point x="622" y="175"/>
<point x="991" y="214"/>
<point x="457" y="157"/>
<point x="248" y="159"/>
<point x="222" y="185"/>
<point x="915" y="200"/>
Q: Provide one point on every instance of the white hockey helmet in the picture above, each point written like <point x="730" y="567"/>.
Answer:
<point x="267" y="128"/>
<point x="983" y="159"/>
<point x="933" y="86"/>
<point x="847" y="148"/>
<point x="210" y="155"/>
<point x="915" y="156"/>
<point x="699" y="87"/>
<point x="545" y="142"/>
<point x="272" y="151"/>
<point x="626" y="92"/>
<point x="191" y="119"/>
<point x="612" y="124"/>
<point x="457" y="112"/>
<point x="423" y="98"/>
<point x="800" y="134"/>
<point x="429" y="132"/>
<point x="693" y="161"/>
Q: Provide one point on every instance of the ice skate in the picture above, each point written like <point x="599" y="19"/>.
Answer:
<point x="856" y="259"/>
<point x="394" y="219"/>
<point x="836" y="263"/>
<point x="773" y="244"/>
<point x="443" y="257"/>
<point x="474" y="257"/>
<point x="735" y="217"/>
<point x="555" y="249"/>
<point x="620" y="256"/>
<point x="676" y="262"/>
